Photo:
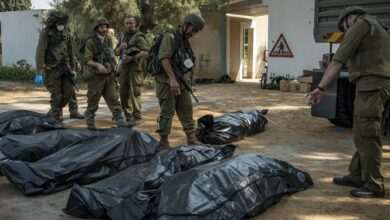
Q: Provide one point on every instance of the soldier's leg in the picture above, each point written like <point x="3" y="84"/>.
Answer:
<point x="184" y="110"/>
<point x="67" y="90"/>
<point x="167" y="104"/>
<point x="111" y="96"/>
<point x="74" y="107"/>
<point x="96" y="85"/>
<point x="124" y="92"/>
<point x="372" y="95"/>
<point x="54" y="86"/>
<point x="137" y="80"/>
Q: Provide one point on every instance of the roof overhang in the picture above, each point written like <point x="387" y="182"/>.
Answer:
<point x="250" y="8"/>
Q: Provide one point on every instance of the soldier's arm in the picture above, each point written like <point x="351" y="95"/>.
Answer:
<point x="165" y="53"/>
<point x="40" y="52"/>
<point x="142" y="44"/>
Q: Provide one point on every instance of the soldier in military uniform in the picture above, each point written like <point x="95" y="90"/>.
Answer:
<point x="366" y="47"/>
<point x="176" y="50"/>
<point x="72" y="104"/>
<point x="99" y="56"/>
<point x="133" y="48"/>
<point x="55" y="48"/>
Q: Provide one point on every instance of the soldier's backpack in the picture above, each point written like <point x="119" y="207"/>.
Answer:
<point x="153" y="65"/>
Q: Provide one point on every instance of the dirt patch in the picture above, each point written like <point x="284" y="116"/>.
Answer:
<point x="310" y="144"/>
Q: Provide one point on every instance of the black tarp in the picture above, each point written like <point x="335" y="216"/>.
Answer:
<point x="26" y="122"/>
<point x="242" y="186"/>
<point x="128" y="193"/>
<point x="83" y="162"/>
<point x="33" y="147"/>
<point x="230" y="127"/>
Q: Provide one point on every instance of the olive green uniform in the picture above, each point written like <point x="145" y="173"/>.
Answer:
<point x="366" y="46"/>
<point x="100" y="84"/>
<point x="170" y="103"/>
<point x="131" y="75"/>
<point x="55" y="47"/>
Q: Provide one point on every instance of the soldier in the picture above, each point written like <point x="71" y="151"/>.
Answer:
<point x="111" y="33"/>
<point x="54" y="50"/>
<point x="99" y="55"/>
<point x="133" y="48"/>
<point x="175" y="50"/>
<point x="365" y="47"/>
<point x="72" y="104"/>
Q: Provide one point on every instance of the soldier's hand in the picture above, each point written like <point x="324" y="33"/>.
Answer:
<point x="123" y="46"/>
<point x="102" y="69"/>
<point x="175" y="88"/>
<point x="128" y="59"/>
<point x="315" y="96"/>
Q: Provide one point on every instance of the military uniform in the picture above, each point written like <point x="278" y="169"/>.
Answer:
<point x="131" y="75"/>
<point x="170" y="103"/>
<point x="54" y="47"/>
<point x="366" y="46"/>
<point x="102" y="84"/>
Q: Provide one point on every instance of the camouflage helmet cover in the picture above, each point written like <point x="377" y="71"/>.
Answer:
<point x="357" y="10"/>
<point x="196" y="20"/>
<point x="56" y="17"/>
<point x="101" y="21"/>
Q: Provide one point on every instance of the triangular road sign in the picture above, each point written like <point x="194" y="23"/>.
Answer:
<point x="281" y="48"/>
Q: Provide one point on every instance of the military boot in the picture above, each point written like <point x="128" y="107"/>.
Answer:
<point x="192" y="140"/>
<point x="90" y="121"/>
<point x="121" y="122"/>
<point x="76" y="115"/>
<point x="164" y="142"/>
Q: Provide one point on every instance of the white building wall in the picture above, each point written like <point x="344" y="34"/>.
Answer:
<point x="20" y="33"/>
<point x="293" y="18"/>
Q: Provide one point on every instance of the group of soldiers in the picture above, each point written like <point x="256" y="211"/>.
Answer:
<point x="365" y="49"/>
<point x="55" y="53"/>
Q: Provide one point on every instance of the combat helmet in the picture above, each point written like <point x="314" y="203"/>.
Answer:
<point x="56" y="17"/>
<point x="101" y="21"/>
<point x="196" y="20"/>
<point x="356" y="10"/>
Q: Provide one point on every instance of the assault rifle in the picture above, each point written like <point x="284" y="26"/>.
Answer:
<point x="63" y="70"/>
<point x="180" y="79"/>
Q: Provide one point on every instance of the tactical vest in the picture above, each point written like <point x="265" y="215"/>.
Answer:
<point x="372" y="57"/>
<point x="130" y="39"/>
<point x="58" y="43"/>
<point x="183" y="52"/>
<point x="104" y="53"/>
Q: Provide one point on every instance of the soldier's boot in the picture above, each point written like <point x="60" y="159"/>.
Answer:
<point x="90" y="122"/>
<point x="76" y="115"/>
<point x="121" y="122"/>
<point x="192" y="140"/>
<point x="164" y="142"/>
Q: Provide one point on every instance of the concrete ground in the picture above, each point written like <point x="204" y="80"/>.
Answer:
<point x="311" y="144"/>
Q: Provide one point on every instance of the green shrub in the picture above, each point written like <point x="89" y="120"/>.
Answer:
<point x="21" y="72"/>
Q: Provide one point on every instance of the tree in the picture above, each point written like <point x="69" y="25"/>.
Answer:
<point x="14" y="5"/>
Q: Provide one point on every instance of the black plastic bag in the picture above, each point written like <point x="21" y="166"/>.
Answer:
<point x="33" y="147"/>
<point x="83" y="162"/>
<point x="127" y="194"/>
<point x="242" y="186"/>
<point x="230" y="127"/>
<point x="26" y="122"/>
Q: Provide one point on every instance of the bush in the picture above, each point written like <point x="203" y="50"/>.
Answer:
<point x="21" y="72"/>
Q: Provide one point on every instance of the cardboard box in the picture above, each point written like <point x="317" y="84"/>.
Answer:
<point x="284" y="85"/>
<point x="300" y="87"/>
<point x="305" y="79"/>
<point x="307" y="73"/>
